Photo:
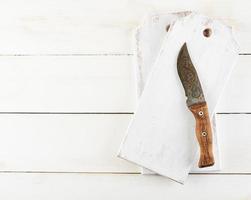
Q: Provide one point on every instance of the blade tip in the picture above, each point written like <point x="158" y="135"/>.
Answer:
<point x="182" y="51"/>
<point x="184" y="46"/>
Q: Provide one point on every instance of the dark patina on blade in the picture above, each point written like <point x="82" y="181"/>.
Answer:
<point x="189" y="78"/>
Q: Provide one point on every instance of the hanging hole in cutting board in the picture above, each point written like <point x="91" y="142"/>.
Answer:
<point x="207" y="32"/>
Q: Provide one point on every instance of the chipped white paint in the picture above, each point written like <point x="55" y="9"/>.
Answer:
<point x="161" y="135"/>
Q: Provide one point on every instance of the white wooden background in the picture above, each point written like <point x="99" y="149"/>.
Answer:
<point x="67" y="93"/>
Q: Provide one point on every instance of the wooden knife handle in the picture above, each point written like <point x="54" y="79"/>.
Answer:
<point x="203" y="134"/>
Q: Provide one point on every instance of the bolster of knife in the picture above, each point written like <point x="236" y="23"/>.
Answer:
<point x="203" y="134"/>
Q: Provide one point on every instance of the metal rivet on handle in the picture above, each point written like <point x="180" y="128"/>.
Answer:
<point x="201" y="113"/>
<point x="204" y="134"/>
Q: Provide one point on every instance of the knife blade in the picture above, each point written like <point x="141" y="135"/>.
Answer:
<point x="197" y="105"/>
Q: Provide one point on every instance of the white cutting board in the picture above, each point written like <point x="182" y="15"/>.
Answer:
<point x="161" y="136"/>
<point x="148" y="40"/>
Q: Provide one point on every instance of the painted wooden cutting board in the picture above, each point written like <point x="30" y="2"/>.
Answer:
<point x="161" y="136"/>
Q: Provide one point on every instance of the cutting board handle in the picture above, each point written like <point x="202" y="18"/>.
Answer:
<point x="203" y="134"/>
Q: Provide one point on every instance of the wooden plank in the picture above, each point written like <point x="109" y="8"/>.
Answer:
<point x="75" y="26"/>
<point x="63" y="143"/>
<point x="92" y="84"/>
<point x="62" y="27"/>
<point x="36" y="35"/>
<point x="113" y="187"/>
<point x="235" y="142"/>
<point x="89" y="143"/>
<point x="236" y="96"/>
<point x="66" y="84"/>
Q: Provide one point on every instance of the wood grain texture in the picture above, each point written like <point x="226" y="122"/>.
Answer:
<point x="203" y="134"/>
<point x="124" y="187"/>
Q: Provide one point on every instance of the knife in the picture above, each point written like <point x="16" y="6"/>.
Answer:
<point x="197" y="105"/>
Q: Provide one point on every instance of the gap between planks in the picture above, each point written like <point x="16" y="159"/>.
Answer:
<point x="67" y="113"/>
<point x="116" y="173"/>
<point x="75" y="54"/>
<point x="100" y="113"/>
<point x="86" y="54"/>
